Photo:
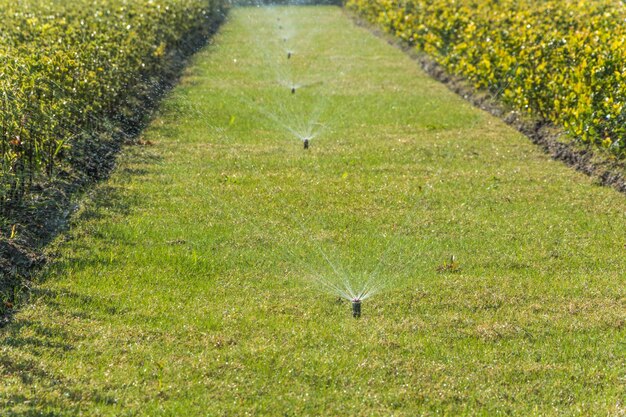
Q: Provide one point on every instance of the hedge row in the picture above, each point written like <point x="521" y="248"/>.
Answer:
<point x="71" y="68"/>
<point x="561" y="60"/>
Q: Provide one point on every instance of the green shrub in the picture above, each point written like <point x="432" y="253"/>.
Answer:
<point x="70" y="69"/>
<point x="561" y="60"/>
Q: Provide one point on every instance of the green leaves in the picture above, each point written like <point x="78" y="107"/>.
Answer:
<point x="564" y="61"/>
<point x="69" y="67"/>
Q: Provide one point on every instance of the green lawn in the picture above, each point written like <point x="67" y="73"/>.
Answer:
<point x="192" y="282"/>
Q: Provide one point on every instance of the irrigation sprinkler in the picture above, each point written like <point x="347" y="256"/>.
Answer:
<point x="293" y="90"/>
<point x="289" y="55"/>
<point x="356" y="308"/>
<point x="306" y="143"/>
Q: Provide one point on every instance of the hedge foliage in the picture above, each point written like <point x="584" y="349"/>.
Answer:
<point x="71" y="67"/>
<point x="562" y="60"/>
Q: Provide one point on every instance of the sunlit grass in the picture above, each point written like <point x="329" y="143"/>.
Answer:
<point x="195" y="281"/>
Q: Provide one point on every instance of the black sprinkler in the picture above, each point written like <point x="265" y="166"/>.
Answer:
<point x="293" y="90"/>
<point x="306" y="143"/>
<point x="356" y="308"/>
<point x="288" y="54"/>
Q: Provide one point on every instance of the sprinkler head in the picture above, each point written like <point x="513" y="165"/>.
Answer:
<point x="306" y="143"/>
<point x="293" y="90"/>
<point x="356" y="308"/>
<point x="288" y="54"/>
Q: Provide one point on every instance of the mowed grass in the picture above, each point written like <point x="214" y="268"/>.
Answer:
<point x="186" y="285"/>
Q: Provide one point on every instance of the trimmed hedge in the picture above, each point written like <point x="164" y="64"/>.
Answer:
<point x="72" y="68"/>
<point x="561" y="60"/>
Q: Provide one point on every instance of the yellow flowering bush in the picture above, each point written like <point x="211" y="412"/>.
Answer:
<point x="561" y="60"/>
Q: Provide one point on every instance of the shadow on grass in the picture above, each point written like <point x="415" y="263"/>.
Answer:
<point x="25" y="344"/>
<point x="31" y="413"/>
<point x="41" y="390"/>
<point x="22" y="343"/>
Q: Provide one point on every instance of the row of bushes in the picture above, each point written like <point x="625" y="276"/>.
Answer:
<point x="72" y="68"/>
<point x="561" y="60"/>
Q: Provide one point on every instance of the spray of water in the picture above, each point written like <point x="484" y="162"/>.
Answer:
<point x="354" y="275"/>
<point x="362" y="282"/>
<point x="278" y="50"/>
<point x="301" y="124"/>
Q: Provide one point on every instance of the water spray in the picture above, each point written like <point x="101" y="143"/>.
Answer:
<point x="356" y="308"/>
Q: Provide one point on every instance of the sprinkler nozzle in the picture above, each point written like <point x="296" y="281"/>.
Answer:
<point x="288" y="54"/>
<point x="306" y="143"/>
<point x="356" y="308"/>
<point x="293" y="90"/>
